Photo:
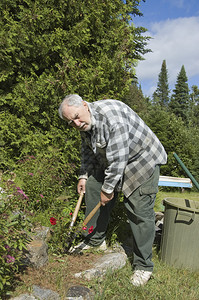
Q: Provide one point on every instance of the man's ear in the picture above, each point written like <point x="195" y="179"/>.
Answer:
<point x="85" y="104"/>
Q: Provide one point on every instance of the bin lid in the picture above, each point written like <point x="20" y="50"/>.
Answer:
<point x="186" y="204"/>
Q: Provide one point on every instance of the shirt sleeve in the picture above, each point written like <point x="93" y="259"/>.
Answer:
<point x="117" y="155"/>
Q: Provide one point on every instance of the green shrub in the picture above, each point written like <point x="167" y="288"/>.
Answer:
<point x="61" y="235"/>
<point x="14" y="228"/>
<point x="46" y="187"/>
<point x="42" y="179"/>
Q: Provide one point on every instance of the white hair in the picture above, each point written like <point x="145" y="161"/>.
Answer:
<point x="70" y="100"/>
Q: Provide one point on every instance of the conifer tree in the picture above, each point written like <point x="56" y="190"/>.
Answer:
<point x="136" y="100"/>
<point x="194" y="106"/>
<point x="53" y="48"/>
<point x="180" y="99"/>
<point x="161" y="94"/>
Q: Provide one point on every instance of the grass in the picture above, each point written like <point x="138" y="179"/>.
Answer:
<point x="185" y="195"/>
<point x="167" y="282"/>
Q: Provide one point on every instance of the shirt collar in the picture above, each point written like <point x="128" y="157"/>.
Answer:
<point x="93" y="120"/>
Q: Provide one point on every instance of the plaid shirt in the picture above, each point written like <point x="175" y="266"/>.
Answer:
<point x="121" y="145"/>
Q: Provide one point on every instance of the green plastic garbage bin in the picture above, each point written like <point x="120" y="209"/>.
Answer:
<point x="180" y="237"/>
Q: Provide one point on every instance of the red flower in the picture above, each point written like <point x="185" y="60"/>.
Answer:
<point x="53" y="221"/>
<point x="70" y="213"/>
<point x="90" y="229"/>
<point x="84" y="228"/>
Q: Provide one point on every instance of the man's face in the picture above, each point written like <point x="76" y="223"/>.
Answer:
<point x="78" y="117"/>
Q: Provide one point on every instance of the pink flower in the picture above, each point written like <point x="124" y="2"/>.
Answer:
<point x="70" y="213"/>
<point x="20" y="191"/>
<point x="10" y="259"/>
<point x="37" y="200"/>
<point x="31" y="174"/>
<point x="41" y="195"/>
<point x="7" y="247"/>
<point x="84" y="228"/>
<point x="53" y="221"/>
<point x="90" y="229"/>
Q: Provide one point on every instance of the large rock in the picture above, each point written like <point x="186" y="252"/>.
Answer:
<point x="37" y="249"/>
<point x="37" y="255"/>
<point x="44" y="294"/>
<point x="41" y="233"/>
<point x="39" y="293"/>
<point x="78" y="292"/>
<point x="111" y="261"/>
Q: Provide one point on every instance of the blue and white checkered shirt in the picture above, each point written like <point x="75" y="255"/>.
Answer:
<point x="120" y="144"/>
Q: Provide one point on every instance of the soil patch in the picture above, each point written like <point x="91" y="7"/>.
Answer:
<point x="58" y="273"/>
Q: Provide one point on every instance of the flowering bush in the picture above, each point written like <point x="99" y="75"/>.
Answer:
<point x="31" y="198"/>
<point x="39" y="180"/>
<point x="14" y="228"/>
<point x="60" y="217"/>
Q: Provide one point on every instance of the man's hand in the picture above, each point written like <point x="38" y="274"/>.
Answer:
<point x="105" y="198"/>
<point x="81" y="187"/>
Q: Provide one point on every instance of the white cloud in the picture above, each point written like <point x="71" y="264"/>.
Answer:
<point x="177" y="42"/>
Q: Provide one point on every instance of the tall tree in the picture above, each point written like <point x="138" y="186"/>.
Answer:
<point x="176" y="137"/>
<point x="136" y="100"/>
<point x="179" y="103"/>
<point x="92" y="45"/>
<point x="194" y="106"/>
<point x="53" y="48"/>
<point x="161" y="94"/>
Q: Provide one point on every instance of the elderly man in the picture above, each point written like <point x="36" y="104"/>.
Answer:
<point x="119" y="153"/>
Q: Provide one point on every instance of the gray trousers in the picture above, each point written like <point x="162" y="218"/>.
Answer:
<point x="140" y="214"/>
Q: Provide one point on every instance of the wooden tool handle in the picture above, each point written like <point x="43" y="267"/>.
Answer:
<point x="74" y="217"/>
<point x="91" y="214"/>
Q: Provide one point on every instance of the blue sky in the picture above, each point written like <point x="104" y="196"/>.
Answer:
<point x="173" y="26"/>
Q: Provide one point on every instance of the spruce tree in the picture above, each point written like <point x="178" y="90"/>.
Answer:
<point x="161" y="94"/>
<point x="194" y="106"/>
<point x="180" y="99"/>
<point x="136" y="100"/>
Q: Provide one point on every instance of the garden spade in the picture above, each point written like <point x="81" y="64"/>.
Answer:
<point x="74" y="217"/>
<point x="88" y="218"/>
